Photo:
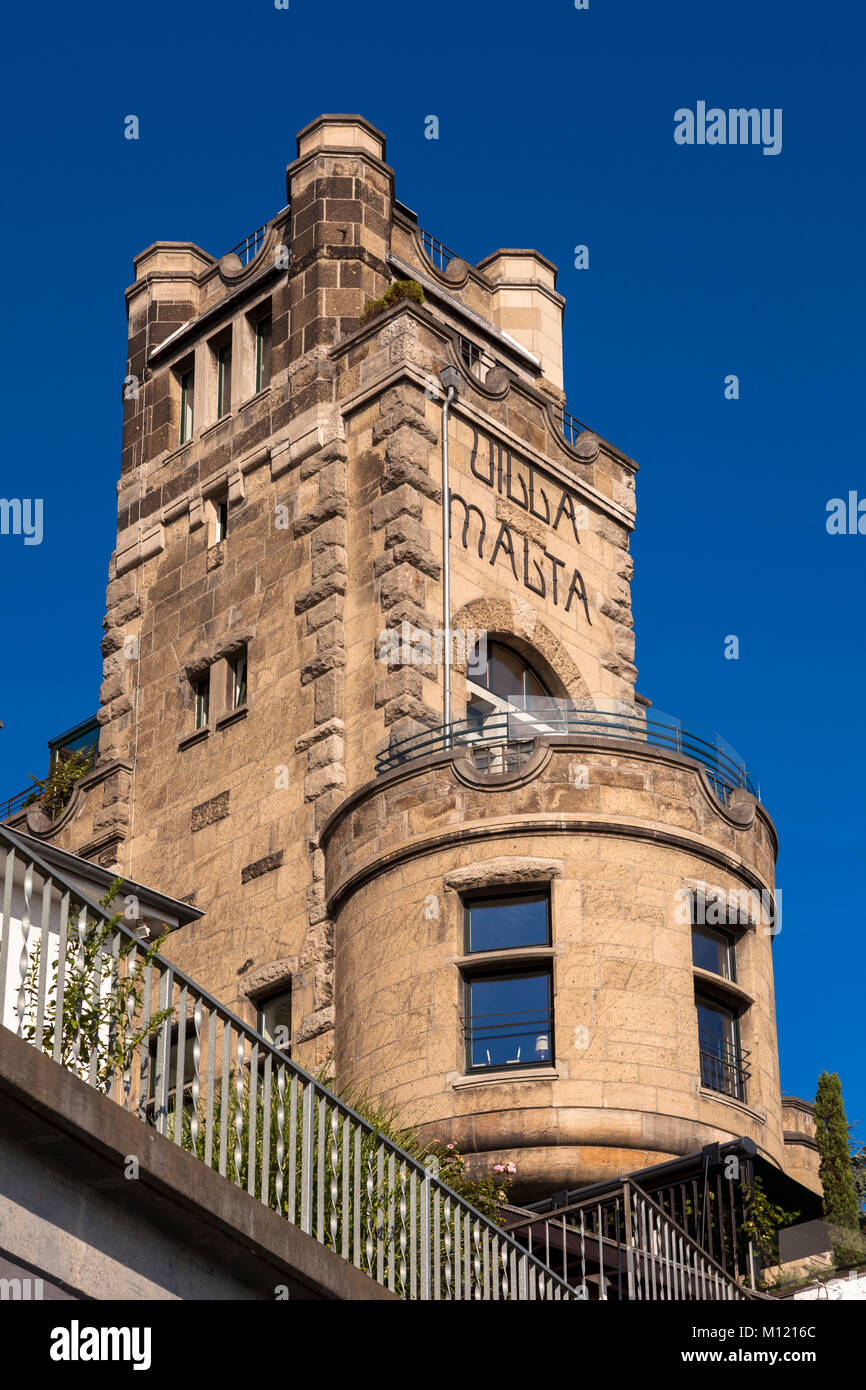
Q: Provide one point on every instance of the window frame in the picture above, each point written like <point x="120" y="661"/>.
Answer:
<point x="500" y="963"/>
<point x="729" y="944"/>
<point x="187" y="404"/>
<point x="223" y="353"/>
<point x="542" y="969"/>
<point x="262" y="1000"/>
<point x="201" y="700"/>
<point x="733" y="1042"/>
<point x="220" y="518"/>
<point x="264" y="348"/>
<point x="238" y="689"/>
<point x="477" y="899"/>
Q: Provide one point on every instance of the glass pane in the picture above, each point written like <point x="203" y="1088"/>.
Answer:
<point x="263" y="354"/>
<point x="710" y="951"/>
<point x="239" y="692"/>
<point x="224" y="403"/>
<point x="506" y="672"/>
<point x="510" y="1020"/>
<point x="201" y="689"/>
<point x="275" y="1020"/>
<point x="187" y="401"/>
<point x="714" y="1024"/>
<point x="496" y="924"/>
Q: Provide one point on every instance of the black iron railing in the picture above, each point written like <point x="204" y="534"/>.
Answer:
<point x="724" y="1066"/>
<point x="502" y="734"/>
<point x="13" y="804"/>
<point x="250" y="246"/>
<point x="572" y="427"/>
<point x="436" y="251"/>
<point x="520" y="1037"/>
<point x="477" y="361"/>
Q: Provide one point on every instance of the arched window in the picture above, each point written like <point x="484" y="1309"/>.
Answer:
<point x="507" y="705"/>
<point x="505" y="674"/>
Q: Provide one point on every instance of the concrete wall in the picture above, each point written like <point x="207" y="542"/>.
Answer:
<point x="70" y="1214"/>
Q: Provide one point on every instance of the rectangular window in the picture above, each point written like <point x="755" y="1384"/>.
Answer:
<point x="714" y="950"/>
<point x="510" y="1018"/>
<point x="263" y="353"/>
<point x="500" y="923"/>
<point x="723" y="1061"/>
<point x="238" y="678"/>
<point x="221" y="520"/>
<point x="224" y="380"/>
<point x="509" y="1010"/>
<point x="201" y="699"/>
<point x="274" y="1020"/>
<point x="187" y="405"/>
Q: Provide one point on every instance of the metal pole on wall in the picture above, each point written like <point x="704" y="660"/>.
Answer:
<point x="450" y="378"/>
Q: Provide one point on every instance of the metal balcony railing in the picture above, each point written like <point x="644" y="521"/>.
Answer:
<point x="724" y="1066"/>
<point x="250" y="246"/>
<point x="13" y="804"/>
<point x="572" y="427"/>
<point x="104" y="1005"/>
<point x="626" y="1247"/>
<point x="436" y="251"/>
<point x="502" y="734"/>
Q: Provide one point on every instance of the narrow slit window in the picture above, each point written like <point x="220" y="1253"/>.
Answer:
<point x="201" y="701"/>
<point x="187" y="405"/>
<point x="238" y="671"/>
<point x="224" y="380"/>
<point x="263" y="353"/>
<point x="221" y="520"/>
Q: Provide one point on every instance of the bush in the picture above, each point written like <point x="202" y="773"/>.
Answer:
<point x="56" y="790"/>
<point x="401" y="289"/>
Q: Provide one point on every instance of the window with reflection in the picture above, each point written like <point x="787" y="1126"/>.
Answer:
<point x="714" y="951"/>
<point x="505" y="674"/>
<point x="723" y="1061"/>
<point x="500" y="923"/>
<point x="509" y="1008"/>
<point x="274" y="1020"/>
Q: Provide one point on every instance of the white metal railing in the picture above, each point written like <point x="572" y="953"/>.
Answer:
<point x="99" y="999"/>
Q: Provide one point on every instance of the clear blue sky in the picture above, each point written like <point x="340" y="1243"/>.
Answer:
<point x="556" y="129"/>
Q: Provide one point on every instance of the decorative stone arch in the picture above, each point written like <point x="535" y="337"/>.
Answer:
<point x="516" y="623"/>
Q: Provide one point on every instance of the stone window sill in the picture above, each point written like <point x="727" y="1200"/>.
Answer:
<point x="505" y="1077"/>
<point x="512" y="955"/>
<point x="223" y="420"/>
<point x="191" y="739"/>
<point x="234" y="717"/>
<point x="731" y="993"/>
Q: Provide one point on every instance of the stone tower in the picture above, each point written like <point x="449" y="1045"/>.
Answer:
<point x="500" y="926"/>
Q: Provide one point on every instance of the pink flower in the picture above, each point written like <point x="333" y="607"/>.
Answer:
<point x="510" y="1168"/>
<point x="449" y="1146"/>
<point x="499" y="1167"/>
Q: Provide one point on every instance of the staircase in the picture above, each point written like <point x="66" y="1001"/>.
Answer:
<point x="627" y="1248"/>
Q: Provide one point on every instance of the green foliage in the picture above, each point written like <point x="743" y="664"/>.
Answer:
<point x="485" y="1193"/>
<point x="840" y="1197"/>
<point x="763" y="1221"/>
<point x="101" y="1019"/>
<point x="374" y="1206"/>
<point x="401" y="289"/>
<point x="858" y="1177"/>
<point x="56" y="789"/>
